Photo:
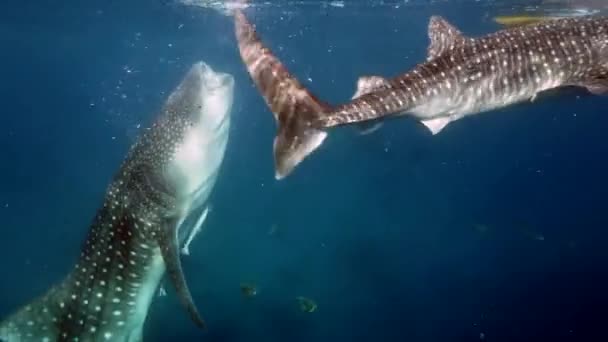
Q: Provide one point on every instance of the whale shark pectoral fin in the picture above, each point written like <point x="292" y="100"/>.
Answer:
<point x="169" y="248"/>
<point x="597" y="81"/>
<point x="443" y="36"/>
<point x="368" y="127"/>
<point x="366" y="85"/>
<point x="436" y="125"/>
<point x="135" y="336"/>
<point x="195" y="230"/>
<point x="598" y="88"/>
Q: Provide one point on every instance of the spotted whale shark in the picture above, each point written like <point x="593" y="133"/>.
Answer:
<point x="461" y="76"/>
<point x="134" y="238"/>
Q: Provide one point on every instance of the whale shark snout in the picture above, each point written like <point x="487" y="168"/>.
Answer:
<point x="212" y="79"/>
<point x="204" y="97"/>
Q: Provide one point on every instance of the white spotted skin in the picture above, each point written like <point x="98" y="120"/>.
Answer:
<point x="461" y="76"/>
<point x="107" y="295"/>
<point x="465" y="76"/>
<point x="501" y="76"/>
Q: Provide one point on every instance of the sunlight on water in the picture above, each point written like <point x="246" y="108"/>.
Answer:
<point x="222" y="6"/>
<point x="554" y="8"/>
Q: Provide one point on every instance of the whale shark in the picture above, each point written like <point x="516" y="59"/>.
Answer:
<point x="461" y="76"/>
<point x="166" y="177"/>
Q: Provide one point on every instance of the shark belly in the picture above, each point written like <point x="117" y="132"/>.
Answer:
<point x="486" y="94"/>
<point x="198" y="172"/>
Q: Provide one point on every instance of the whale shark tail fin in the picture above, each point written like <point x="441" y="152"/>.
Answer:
<point x="295" y="108"/>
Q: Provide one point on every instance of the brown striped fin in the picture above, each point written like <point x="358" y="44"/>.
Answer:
<point x="295" y="109"/>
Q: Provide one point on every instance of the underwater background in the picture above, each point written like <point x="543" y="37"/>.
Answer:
<point x="493" y="230"/>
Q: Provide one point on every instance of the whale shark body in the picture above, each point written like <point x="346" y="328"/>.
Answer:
<point x="461" y="76"/>
<point x="167" y="175"/>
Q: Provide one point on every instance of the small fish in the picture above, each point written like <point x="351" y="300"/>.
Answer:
<point x="306" y="304"/>
<point x="274" y="228"/>
<point x="161" y="291"/>
<point x="249" y="290"/>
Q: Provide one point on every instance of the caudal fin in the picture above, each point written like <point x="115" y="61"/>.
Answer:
<point x="294" y="107"/>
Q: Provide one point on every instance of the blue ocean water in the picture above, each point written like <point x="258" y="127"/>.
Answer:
<point x="492" y="230"/>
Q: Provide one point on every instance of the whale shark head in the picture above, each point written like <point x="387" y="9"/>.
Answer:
<point x="218" y="89"/>
<point x="199" y="112"/>
<point x="204" y="96"/>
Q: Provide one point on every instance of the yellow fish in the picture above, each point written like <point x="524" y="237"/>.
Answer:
<point x="520" y="20"/>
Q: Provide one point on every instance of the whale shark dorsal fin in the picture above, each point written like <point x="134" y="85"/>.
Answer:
<point x="443" y="36"/>
<point x="168" y="242"/>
